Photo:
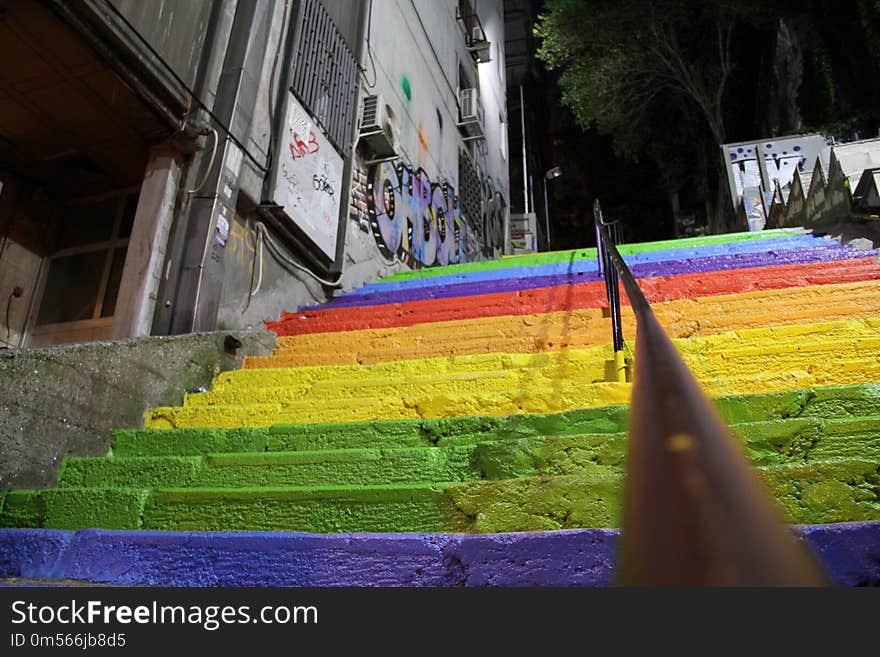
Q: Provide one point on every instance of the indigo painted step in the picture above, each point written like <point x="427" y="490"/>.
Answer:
<point x="647" y="252"/>
<point x="850" y="553"/>
<point x="590" y="253"/>
<point x="724" y="255"/>
<point x="676" y="261"/>
<point x="524" y="280"/>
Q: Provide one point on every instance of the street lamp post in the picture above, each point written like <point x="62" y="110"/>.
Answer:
<point x="555" y="172"/>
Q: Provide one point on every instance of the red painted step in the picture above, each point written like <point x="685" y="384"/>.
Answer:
<point x="572" y="297"/>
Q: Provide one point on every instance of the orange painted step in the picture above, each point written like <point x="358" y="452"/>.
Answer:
<point x="572" y="297"/>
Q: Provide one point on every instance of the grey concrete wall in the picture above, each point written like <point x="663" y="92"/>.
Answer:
<point x="65" y="400"/>
<point x="417" y="46"/>
<point x="247" y="298"/>
<point x="174" y="28"/>
<point x="421" y="59"/>
<point x="259" y="283"/>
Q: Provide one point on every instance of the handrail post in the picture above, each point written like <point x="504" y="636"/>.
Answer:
<point x="618" y="366"/>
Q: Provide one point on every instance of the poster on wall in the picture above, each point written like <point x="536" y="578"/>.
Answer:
<point x="308" y="178"/>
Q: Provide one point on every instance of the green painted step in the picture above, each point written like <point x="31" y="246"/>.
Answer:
<point x="832" y="402"/>
<point x="589" y="254"/>
<point x="815" y="492"/>
<point x="380" y="433"/>
<point x="765" y="443"/>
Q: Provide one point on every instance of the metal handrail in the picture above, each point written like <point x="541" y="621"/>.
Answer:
<point x="607" y="269"/>
<point x="695" y="513"/>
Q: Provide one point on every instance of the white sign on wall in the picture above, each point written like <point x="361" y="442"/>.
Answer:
<point x="308" y="178"/>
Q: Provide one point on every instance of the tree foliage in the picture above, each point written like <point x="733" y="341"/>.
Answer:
<point x="670" y="80"/>
<point x="624" y="62"/>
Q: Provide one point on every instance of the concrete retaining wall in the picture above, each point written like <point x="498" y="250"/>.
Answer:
<point x="63" y="400"/>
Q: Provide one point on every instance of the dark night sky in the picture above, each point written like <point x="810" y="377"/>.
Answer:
<point x="627" y="190"/>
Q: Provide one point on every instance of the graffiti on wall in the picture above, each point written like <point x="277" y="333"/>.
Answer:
<point x="492" y="203"/>
<point x="414" y="218"/>
<point x="242" y="245"/>
<point x="780" y="159"/>
<point x="308" y="177"/>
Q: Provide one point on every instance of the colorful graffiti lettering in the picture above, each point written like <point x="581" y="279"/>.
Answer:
<point x="299" y="148"/>
<point x="242" y="244"/>
<point x="413" y="218"/>
<point x="493" y="217"/>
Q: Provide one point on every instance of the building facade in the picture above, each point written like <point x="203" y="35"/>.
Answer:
<point x="185" y="165"/>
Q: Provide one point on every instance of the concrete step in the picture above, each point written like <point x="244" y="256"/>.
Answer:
<point x="575" y="329"/>
<point x="435" y="404"/>
<point x="590" y="253"/>
<point x="849" y="552"/>
<point x="672" y="261"/>
<point x="501" y="282"/>
<point x="831" y="403"/>
<point x="774" y="358"/>
<point x="571" y="297"/>
<point x="848" y="337"/>
<point x="765" y="443"/>
<point x="843" y="490"/>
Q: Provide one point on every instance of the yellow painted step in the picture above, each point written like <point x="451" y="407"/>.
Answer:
<point x="564" y="363"/>
<point x="817" y="348"/>
<point x="511" y="402"/>
<point x="749" y="361"/>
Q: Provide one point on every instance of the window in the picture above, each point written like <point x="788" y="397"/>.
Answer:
<point x="84" y="274"/>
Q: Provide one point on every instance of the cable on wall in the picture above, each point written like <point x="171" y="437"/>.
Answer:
<point x="282" y="37"/>
<point x="285" y="259"/>
<point x="201" y="184"/>
<point x="370" y="85"/>
<point x="186" y="87"/>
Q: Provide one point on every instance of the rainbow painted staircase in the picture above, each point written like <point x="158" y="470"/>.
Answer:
<point x="407" y="433"/>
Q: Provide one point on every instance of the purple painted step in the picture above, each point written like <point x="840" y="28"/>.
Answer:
<point x="849" y="551"/>
<point x="646" y="270"/>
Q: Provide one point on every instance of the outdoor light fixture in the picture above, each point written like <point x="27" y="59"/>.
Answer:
<point x="551" y="174"/>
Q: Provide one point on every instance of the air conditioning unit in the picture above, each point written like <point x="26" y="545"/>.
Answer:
<point x="470" y="114"/>
<point x="479" y="46"/>
<point x="471" y="109"/>
<point x="378" y="127"/>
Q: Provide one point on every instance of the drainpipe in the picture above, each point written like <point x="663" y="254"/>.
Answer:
<point x="212" y="210"/>
<point x="522" y="114"/>
<point x="210" y="66"/>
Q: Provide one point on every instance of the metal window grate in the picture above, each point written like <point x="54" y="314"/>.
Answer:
<point x="469" y="192"/>
<point x="325" y="74"/>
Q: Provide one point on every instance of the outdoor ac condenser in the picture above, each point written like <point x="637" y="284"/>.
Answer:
<point x="479" y="46"/>
<point x="378" y="130"/>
